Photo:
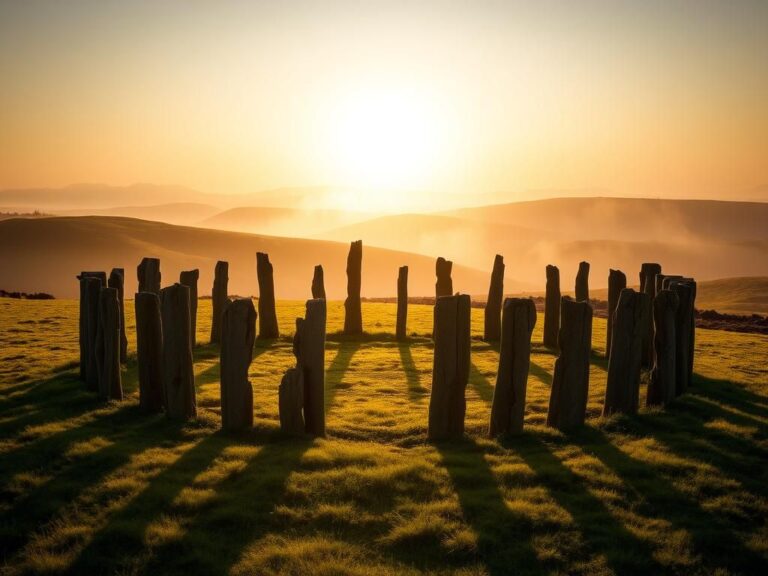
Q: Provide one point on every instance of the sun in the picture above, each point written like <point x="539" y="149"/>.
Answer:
<point x="386" y="140"/>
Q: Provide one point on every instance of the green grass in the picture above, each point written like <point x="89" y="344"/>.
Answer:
<point x="91" y="488"/>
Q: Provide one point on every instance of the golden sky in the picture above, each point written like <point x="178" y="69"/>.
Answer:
<point x="636" y="98"/>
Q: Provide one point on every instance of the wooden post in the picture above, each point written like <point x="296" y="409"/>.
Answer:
<point x="570" y="383"/>
<point x="552" y="307"/>
<point x="617" y="281"/>
<point x="149" y="351"/>
<point x="149" y="275"/>
<point x="178" y="374"/>
<point x="508" y="409"/>
<point x="492" y="327"/>
<point x="402" y="302"/>
<point x="189" y="279"/>
<point x="117" y="281"/>
<point x="623" y="386"/>
<point x="238" y="335"/>
<point x="444" y="284"/>
<point x="219" y="298"/>
<point x="661" y="387"/>
<point x="450" y="370"/>
<point x="353" y="314"/>
<point x="310" y="356"/>
<point x="318" y="283"/>
<point x="582" y="282"/>
<point x="108" y="345"/>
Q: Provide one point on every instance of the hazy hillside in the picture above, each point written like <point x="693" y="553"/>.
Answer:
<point x="46" y="254"/>
<point x="174" y="213"/>
<point x="294" y="222"/>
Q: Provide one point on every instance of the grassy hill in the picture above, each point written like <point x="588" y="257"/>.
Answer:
<point x="45" y="255"/>
<point x="281" y="221"/>
<point x="92" y="488"/>
<point x="174" y="213"/>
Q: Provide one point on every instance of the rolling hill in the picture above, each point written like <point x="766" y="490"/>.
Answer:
<point x="46" y="254"/>
<point x="282" y="221"/>
<point x="173" y="213"/>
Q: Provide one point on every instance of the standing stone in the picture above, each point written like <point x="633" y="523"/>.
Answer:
<point x="450" y="369"/>
<point x="149" y="351"/>
<point x="189" y="279"/>
<point x="617" y="281"/>
<point x="353" y="316"/>
<point x="492" y="331"/>
<point x="219" y="299"/>
<point x="582" y="282"/>
<point x="508" y="410"/>
<point x="648" y="273"/>
<point x="402" y="302"/>
<point x="318" y="283"/>
<point x="444" y="284"/>
<point x="309" y="346"/>
<point x="291" y="402"/>
<point x="684" y="332"/>
<point x="570" y="382"/>
<point x="238" y="335"/>
<point x="622" y="391"/>
<point x="108" y="345"/>
<point x="85" y="344"/>
<point x="149" y="275"/>
<point x="661" y="279"/>
<point x="92" y="287"/>
<point x="267" y="314"/>
<point x="552" y="307"/>
<point x="178" y="375"/>
<point x="117" y="281"/>
<point x="661" y="387"/>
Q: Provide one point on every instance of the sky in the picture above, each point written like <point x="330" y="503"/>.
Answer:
<point x="403" y="100"/>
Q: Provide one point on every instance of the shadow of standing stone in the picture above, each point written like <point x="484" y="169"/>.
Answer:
<point x="267" y="314"/>
<point x="178" y="375"/>
<point x="149" y="351"/>
<point x="492" y="327"/>
<point x="353" y="313"/>
<point x="552" y="307"/>
<point x="238" y="335"/>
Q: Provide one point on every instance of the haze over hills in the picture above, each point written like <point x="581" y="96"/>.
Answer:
<point x="46" y="254"/>
<point x="282" y="221"/>
<point x="174" y="213"/>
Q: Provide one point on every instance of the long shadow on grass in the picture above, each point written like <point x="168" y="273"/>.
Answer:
<point x="334" y="374"/>
<point x="603" y="533"/>
<point x="415" y="390"/>
<point x="480" y="383"/>
<point x="716" y="542"/>
<point x="540" y="373"/>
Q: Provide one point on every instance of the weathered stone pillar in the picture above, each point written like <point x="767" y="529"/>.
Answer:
<point x="219" y="298"/>
<point x="238" y="335"/>
<point x="648" y="273"/>
<point x="318" y="283"/>
<point x="291" y="402"/>
<point x="149" y="275"/>
<point x="661" y="278"/>
<point x="661" y="387"/>
<point x="108" y="345"/>
<point x="189" y="279"/>
<point x="92" y="287"/>
<point x="353" y="314"/>
<point x="402" y="302"/>
<point x="582" y="282"/>
<point x="492" y="331"/>
<point x="149" y="351"/>
<point x="570" y="382"/>
<point x="684" y="332"/>
<point x="267" y="314"/>
<point x="450" y="369"/>
<point x="617" y="281"/>
<point x="117" y="281"/>
<point x="630" y="317"/>
<point x="508" y="410"/>
<point x="444" y="284"/>
<point x="86" y="317"/>
<point x="552" y="307"/>
<point x="178" y="375"/>
<point x="309" y="347"/>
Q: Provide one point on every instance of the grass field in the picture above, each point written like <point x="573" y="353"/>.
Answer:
<point x="92" y="488"/>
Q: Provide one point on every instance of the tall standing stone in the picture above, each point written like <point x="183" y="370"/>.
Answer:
<point x="291" y="402"/>
<point x="684" y="332"/>
<point x="508" y="409"/>
<point x="318" y="283"/>
<point x="85" y="318"/>
<point x="189" y="279"/>
<point x="444" y="284"/>
<point x="267" y="314"/>
<point x="92" y="287"/>
<point x="570" y="382"/>
<point x="309" y="345"/>
<point x="149" y="351"/>
<point x="108" y="345"/>
<point x="450" y="369"/>
<point x="219" y="298"/>
<point x="622" y="391"/>
<point x="178" y="375"/>
<point x="661" y="387"/>
<point x="117" y="281"/>
<point x="617" y="281"/>
<point x="648" y="273"/>
<point x="492" y="328"/>
<point x="238" y="335"/>
<point x="149" y="275"/>
<point x="582" y="282"/>
<point x="552" y="307"/>
<point x="402" y="302"/>
<point x="353" y="314"/>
